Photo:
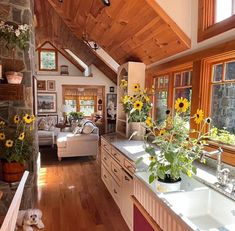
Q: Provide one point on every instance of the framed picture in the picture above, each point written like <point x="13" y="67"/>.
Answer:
<point x="47" y="59"/>
<point x="99" y="107"/>
<point x="112" y="98"/>
<point x="111" y="89"/>
<point x="64" y="70"/>
<point x="47" y="103"/>
<point x="41" y="85"/>
<point x="51" y="85"/>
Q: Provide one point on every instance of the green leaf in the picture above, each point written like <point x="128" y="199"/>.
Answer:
<point x="169" y="157"/>
<point x="151" y="178"/>
<point x="139" y="160"/>
<point x="194" y="169"/>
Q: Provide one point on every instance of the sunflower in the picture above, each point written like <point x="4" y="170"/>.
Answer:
<point x="147" y="99"/>
<point x="138" y="105"/>
<point x="16" y="119"/>
<point x="136" y="87"/>
<point x="149" y="122"/>
<point x="181" y="105"/>
<point x="152" y="158"/>
<point x="9" y="143"/>
<point x="21" y="136"/>
<point x="162" y="132"/>
<point x="27" y="118"/>
<point x="125" y="99"/>
<point x="33" y="117"/>
<point x="123" y="83"/>
<point x="131" y="98"/>
<point x="2" y="136"/>
<point x="168" y="112"/>
<point x="198" y="117"/>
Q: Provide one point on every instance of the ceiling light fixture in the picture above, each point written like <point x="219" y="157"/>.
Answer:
<point x="106" y="2"/>
<point x="92" y="44"/>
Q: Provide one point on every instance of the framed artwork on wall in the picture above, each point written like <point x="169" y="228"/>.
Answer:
<point x="51" y="85"/>
<point x="111" y="89"/>
<point x="41" y="85"/>
<point x="112" y="98"/>
<point x="99" y="107"/>
<point x="47" y="102"/>
<point x="47" y="59"/>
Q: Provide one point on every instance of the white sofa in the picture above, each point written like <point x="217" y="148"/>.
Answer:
<point x="70" y="144"/>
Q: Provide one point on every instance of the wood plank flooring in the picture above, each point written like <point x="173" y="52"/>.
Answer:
<point x="72" y="196"/>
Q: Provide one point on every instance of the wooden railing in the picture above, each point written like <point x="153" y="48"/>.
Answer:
<point x="12" y="213"/>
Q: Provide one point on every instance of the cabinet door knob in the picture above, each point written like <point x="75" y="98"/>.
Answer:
<point x="126" y="178"/>
<point x="105" y="158"/>
<point x="115" y="170"/>
<point x="115" y="191"/>
<point x="105" y="176"/>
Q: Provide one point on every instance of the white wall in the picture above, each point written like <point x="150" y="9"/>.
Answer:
<point x="180" y="12"/>
<point x="73" y="70"/>
<point x="226" y="36"/>
<point x="98" y="79"/>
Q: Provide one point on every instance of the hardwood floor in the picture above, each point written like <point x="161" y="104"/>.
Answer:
<point x="72" y="196"/>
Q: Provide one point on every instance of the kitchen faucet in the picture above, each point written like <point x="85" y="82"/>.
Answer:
<point x="221" y="174"/>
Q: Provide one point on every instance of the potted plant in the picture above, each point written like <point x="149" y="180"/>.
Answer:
<point x="179" y="146"/>
<point x="76" y="116"/>
<point x="14" y="36"/>
<point x="16" y="145"/>
<point x="137" y="107"/>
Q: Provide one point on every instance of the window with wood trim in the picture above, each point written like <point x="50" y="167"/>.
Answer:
<point x="47" y="59"/>
<point x="215" y="17"/>
<point x="87" y="104"/>
<point x="223" y="95"/>
<point x="161" y="94"/>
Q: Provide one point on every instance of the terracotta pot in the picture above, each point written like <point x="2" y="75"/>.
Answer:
<point x="14" y="77"/>
<point x="12" y="172"/>
<point x="139" y="129"/>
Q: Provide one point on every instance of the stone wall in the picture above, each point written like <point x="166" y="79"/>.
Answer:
<point x="20" y="12"/>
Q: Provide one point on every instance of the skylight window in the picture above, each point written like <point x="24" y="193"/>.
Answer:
<point x="224" y="9"/>
<point x="87" y="69"/>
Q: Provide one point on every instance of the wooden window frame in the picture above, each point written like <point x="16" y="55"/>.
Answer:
<point x="207" y="27"/>
<point x="39" y="58"/>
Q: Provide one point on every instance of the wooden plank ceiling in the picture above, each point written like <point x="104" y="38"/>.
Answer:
<point x="50" y="27"/>
<point x="128" y="30"/>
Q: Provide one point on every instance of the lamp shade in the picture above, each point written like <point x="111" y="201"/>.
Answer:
<point x="66" y="108"/>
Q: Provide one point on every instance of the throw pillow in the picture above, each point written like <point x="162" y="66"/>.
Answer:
<point x="88" y="127"/>
<point x="77" y="130"/>
<point x="42" y="125"/>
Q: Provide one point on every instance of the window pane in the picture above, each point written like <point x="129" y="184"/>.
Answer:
<point x="72" y="103"/>
<point x="161" y="82"/>
<point x="87" y="102"/>
<point x="223" y="106"/>
<point x="47" y="60"/>
<point x="186" y="78"/>
<point x="166" y="81"/>
<point x="230" y="71"/>
<point x="87" y="110"/>
<point x="223" y="10"/>
<point x="161" y="106"/>
<point x="177" y="80"/>
<point x="217" y="72"/>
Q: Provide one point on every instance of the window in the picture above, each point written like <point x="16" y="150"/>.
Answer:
<point x="223" y="95"/>
<point x="48" y="60"/>
<point x="215" y="17"/>
<point x="87" y="105"/>
<point x="161" y="86"/>
<point x="72" y="103"/>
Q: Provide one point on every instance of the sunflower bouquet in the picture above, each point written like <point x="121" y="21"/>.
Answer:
<point x="179" y="145"/>
<point x="138" y="105"/>
<point x="16" y="141"/>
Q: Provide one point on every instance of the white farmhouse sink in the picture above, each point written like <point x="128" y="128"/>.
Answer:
<point x="205" y="208"/>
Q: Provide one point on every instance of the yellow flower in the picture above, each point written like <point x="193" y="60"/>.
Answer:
<point x="21" y="136"/>
<point x="16" y="119"/>
<point x="2" y="123"/>
<point x="181" y="105"/>
<point x="147" y="99"/>
<point x="125" y="99"/>
<point x="27" y="118"/>
<point x="208" y="120"/>
<point x="9" y="143"/>
<point x="162" y="132"/>
<point x="2" y="136"/>
<point x="198" y="116"/>
<point x="153" y="89"/>
<point x="149" y="122"/>
<point x="152" y="158"/>
<point x="123" y="83"/>
<point x="138" y="105"/>
<point x="136" y="87"/>
<point x="33" y="117"/>
<point x="131" y="98"/>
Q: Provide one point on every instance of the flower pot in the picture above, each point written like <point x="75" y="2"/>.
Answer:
<point x="14" y="77"/>
<point x="164" y="187"/>
<point x="12" y="172"/>
<point x="138" y="127"/>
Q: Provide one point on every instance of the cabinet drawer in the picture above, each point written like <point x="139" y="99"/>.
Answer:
<point x="116" y="171"/>
<point x="116" y="192"/>
<point x="105" y="145"/>
<point x="117" y="155"/>
<point x="106" y="177"/>
<point x="106" y="159"/>
<point x="129" y="166"/>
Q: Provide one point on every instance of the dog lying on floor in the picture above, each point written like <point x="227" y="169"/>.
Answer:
<point x="28" y="218"/>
